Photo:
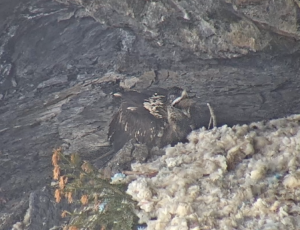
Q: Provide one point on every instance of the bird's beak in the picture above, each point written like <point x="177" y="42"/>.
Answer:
<point x="182" y="96"/>
<point x="117" y="95"/>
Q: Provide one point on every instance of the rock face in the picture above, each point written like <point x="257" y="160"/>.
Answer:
<point x="61" y="60"/>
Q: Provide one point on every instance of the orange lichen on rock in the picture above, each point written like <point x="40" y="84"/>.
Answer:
<point x="56" y="172"/>
<point x="69" y="196"/>
<point x="62" y="182"/>
<point x="84" y="199"/>
<point x="57" y="195"/>
<point x="55" y="156"/>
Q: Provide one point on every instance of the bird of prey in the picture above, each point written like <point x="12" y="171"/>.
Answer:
<point x="155" y="117"/>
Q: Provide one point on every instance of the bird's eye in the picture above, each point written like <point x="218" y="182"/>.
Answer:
<point x="172" y="97"/>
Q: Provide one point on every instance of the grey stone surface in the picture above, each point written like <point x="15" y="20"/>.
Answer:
<point x="61" y="60"/>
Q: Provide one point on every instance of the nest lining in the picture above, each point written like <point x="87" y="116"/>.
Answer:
<point x="244" y="177"/>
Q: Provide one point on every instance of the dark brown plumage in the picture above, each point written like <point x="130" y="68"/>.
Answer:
<point x="156" y="117"/>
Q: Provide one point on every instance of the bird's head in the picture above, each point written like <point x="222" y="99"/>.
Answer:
<point x="176" y="94"/>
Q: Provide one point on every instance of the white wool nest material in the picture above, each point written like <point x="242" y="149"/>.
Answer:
<point x="244" y="177"/>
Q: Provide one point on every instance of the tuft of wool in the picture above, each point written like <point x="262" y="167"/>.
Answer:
<point x="291" y="181"/>
<point x="184" y="209"/>
<point x="244" y="177"/>
<point x="259" y="171"/>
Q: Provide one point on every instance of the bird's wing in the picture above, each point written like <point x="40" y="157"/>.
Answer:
<point x="133" y="121"/>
